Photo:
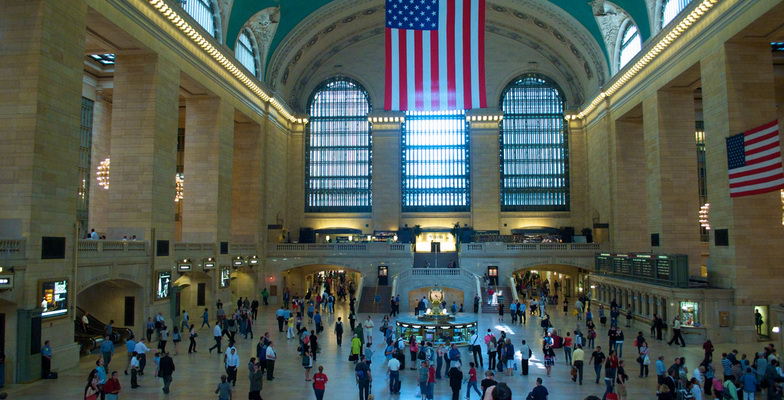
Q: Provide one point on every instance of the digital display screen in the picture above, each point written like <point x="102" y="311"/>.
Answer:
<point x="225" y="278"/>
<point x="54" y="298"/>
<point x="162" y="289"/>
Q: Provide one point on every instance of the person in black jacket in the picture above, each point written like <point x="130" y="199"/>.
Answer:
<point x="455" y="381"/>
<point x="165" y="371"/>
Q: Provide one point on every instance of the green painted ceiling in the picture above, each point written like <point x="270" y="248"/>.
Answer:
<point x="294" y="11"/>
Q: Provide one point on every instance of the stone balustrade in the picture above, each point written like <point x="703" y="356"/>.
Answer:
<point x="509" y="248"/>
<point x="339" y="248"/>
<point x="102" y="248"/>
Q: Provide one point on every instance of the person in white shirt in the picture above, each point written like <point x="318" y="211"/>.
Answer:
<point x="141" y="353"/>
<point x="271" y="357"/>
<point x="232" y="362"/>
<point x="368" y="330"/>
<point x="474" y="344"/>
<point x="134" y="370"/>
<point x="393" y="366"/>
<point x="93" y="235"/>
<point x="217" y="334"/>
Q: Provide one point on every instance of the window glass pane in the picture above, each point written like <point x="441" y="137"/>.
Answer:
<point x="338" y="149"/>
<point x="245" y="52"/>
<point x="202" y="12"/>
<point x="435" y="161"/>
<point x="630" y="45"/>
<point x="671" y="9"/>
<point x="534" y="147"/>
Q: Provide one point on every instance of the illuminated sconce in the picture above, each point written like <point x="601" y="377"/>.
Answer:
<point x="208" y="263"/>
<point x="776" y="329"/>
<point x="184" y="265"/>
<point x="253" y="260"/>
<point x="179" y="183"/>
<point x="102" y="173"/>
<point x="704" y="216"/>
<point x="238" y="262"/>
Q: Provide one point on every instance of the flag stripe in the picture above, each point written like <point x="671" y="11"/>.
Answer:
<point x="481" y="56"/>
<point x="418" y="62"/>
<point x="754" y="159"/>
<point x="466" y="23"/>
<point x="756" y="178"/>
<point x="403" y="84"/>
<point x="426" y="78"/>
<point x="474" y="64"/>
<point x="411" y="74"/>
<point x="434" y="70"/>
<point x="762" y="128"/>
<point x="450" y="52"/>
<point x="396" y="73"/>
<point x="770" y="165"/>
<point x="388" y="66"/>
<point x="773" y="139"/>
<point x="443" y="54"/>
<point x="763" y="156"/>
<point x="757" y="189"/>
<point x="761" y="136"/>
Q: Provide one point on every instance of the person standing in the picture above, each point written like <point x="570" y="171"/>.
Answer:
<point x="163" y="338"/>
<point x="265" y="296"/>
<point x="192" y="334"/>
<point x="46" y="360"/>
<point x="578" y="356"/>
<point x="112" y="387"/>
<point x="130" y="344"/>
<point x="107" y="350"/>
<point x="224" y="389"/>
<point x="320" y="383"/>
<point x="317" y="320"/>
<point x="232" y="360"/>
<point x="422" y="378"/>
<point x="356" y="348"/>
<point x="598" y="358"/>
<point x="271" y="357"/>
<point x="339" y="332"/>
<point x="567" y="347"/>
<point x="363" y="377"/>
<point x="217" y="334"/>
<point x="367" y="328"/>
<point x="476" y="349"/>
<point x="488" y="382"/>
<point x="393" y="367"/>
<point x="165" y="371"/>
<point x="676" y="333"/>
<point x="205" y="319"/>
<point x="256" y="379"/>
<point x="455" y="381"/>
<point x="134" y="365"/>
<point x="525" y="355"/>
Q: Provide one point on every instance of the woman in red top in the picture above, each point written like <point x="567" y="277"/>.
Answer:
<point x="472" y="382"/>
<point x="431" y="381"/>
<point x="567" y="346"/>
<point x="320" y="383"/>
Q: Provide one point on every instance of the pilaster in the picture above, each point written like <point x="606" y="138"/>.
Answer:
<point x="247" y="210"/>
<point x="386" y="171"/>
<point x="628" y="225"/>
<point x="485" y="173"/>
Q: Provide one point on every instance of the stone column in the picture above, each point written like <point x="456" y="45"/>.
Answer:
<point x="671" y="178"/>
<point x="143" y="146"/>
<point x="275" y="175"/>
<point x="578" y="177"/>
<point x="209" y="137"/>
<point x="100" y="151"/>
<point x="295" y="179"/>
<point x="738" y="95"/>
<point x="485" y="173"/>
<point x="386" y="189"/>
<point x="628" y="225"/>
<point x="247" y="211"/>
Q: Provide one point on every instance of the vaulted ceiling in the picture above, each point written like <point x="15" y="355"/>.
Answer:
<point x="292" y="12"/>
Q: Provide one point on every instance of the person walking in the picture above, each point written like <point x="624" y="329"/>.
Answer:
<point x="134" y="365"/>
<point x="539" y="392"/>
<point x="111" y="388"/>
<point x="192" y="334"/>
<point x="141" y="354"/>
<point x="363" y="378"/>
<point x="130" y="345"/>
<point x="422" y="373"/>
<point x="271" y="357"/>
<point x="676" y="333"/>
<point x="356" y="349"/>
<point x="224" y="389"/>
<point x="307" y="364"/>
<point x="205" y="319"/>
<point x="644" y="359"/>
<point x="217" y="334"/>
<point x="339" y="332"/>
<point x="176" y="339"/>
<point x="107" y="350"/>
<point x="367" y="328"/>
<point x="476" y="349"/>
<point x="165" y="371"/>
<point x="567" y="347"/>
<point x="163" y="338"/>
<point x="393" y="368"/>
<point x="578" y="357"/>
<point x="232" y="362"/>
<point x="320" y="380"/>
<point x="256" y="380"/>
<point x="455" y="381"/>
<point x="472" y="381"/>
<point x="597" y="357"/>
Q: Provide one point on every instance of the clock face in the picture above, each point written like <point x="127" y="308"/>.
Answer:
<point x="436" y="295"/>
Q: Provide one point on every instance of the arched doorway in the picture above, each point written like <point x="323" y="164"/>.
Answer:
<point x="196" y="292"/>
<point x="120" y="302"/>
<point x="298" y="280"/>
<point x="554" y="279"/>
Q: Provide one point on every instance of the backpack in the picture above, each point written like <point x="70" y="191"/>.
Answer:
<point x="421" y="355"/>
<point x="557" y="342"/>
<point x="360" y="374"/>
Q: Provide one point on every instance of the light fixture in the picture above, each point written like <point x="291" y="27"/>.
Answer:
<point x="208" y="263"/>
<point x="238" y="261"/>
<point x="179" y="183"/>
<point x="705" y="216"/>
<point x="253" y="260"/>
<point x="102" y="173"/>
<point x="184" y="265"/>
<point x="776" y="329"/>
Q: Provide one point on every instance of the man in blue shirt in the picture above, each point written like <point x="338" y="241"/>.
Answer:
<point x="46" y="360"/>
<point x="130" y="344"/>
<point x="661" y="369"/>
<point x="726" y="365"/>
<point x="280" y="315"/>
<point x="513" y="312"/>
<point x="107" y="349"/>
<point x="749" y="383"/>
<point x="454" y="356"/>
<point x="539" y="392"/>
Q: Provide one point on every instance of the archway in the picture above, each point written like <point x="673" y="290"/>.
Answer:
<point x="553" y="279"/>
<point x="120" y="302"/>
<point x="196" y="293"/>
<point x="298" y="280"/>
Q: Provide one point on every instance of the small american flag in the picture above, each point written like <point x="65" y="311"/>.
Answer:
<point x="435" y="55"/>
<point x="754" y="161"/>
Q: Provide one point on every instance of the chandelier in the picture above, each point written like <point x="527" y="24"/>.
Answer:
<point x="102" y="173"/>
<point x="179" y="180"/>
<point x="704" y="214"/>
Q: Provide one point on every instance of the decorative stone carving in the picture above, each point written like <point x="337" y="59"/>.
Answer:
<point x="224" y="9"/>
<point x="609" y="17"/>
<point x="263" y="25"/>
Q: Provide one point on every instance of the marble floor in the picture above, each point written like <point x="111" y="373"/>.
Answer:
<point x="197" y="374"/>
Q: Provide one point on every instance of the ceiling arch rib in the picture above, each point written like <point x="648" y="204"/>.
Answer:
<point x="309" y="52"/>
<point x="263" y="26"/>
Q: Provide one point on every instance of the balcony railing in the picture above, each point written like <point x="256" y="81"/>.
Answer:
<point x="97" y="248"/>
<point x="12" y="249"/>
<point x="529" y="247"/>
<point x="341" y="248"/>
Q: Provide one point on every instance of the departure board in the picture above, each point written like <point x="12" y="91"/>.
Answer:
<point x="668" y="270"/>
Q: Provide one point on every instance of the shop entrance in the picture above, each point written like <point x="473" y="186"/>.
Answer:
<point x="555" y="281"/>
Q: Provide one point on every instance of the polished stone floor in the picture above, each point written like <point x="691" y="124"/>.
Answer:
<point x="197" y="375"/>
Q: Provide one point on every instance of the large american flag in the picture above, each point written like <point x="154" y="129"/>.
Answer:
<point x="435" y="55"/>
<point x="754" y="161"/>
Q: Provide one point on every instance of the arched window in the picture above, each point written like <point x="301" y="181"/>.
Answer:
<point x="203" y="12"/>
<point x="338" y="148"/>
<point x="670" y="9"/>
<point x="246" y="52"/>
<point x="534" y="146"/>
<point x="630" y="44"/>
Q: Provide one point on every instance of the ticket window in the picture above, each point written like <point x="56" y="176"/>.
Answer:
<point x="492" y="274"/>
<point x="383" y="275"/>
<point x="690" y="313"/>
